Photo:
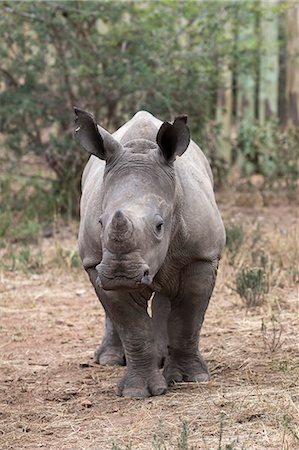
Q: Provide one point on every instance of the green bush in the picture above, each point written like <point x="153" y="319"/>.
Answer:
<point x="25" y="258"/>
<point x="269" y="151"/>
<point x="252" y="285"/>
<point x="28" y="204"/>
<point x="234" y="240"/>
<point x="67" y="258"/>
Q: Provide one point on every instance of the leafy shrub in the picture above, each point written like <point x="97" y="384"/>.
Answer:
<point x="259" y="258"/>
<point x="234" y="240"/>
<point x="272" y="335"/>
<point x="25" y="258"/>
<point x="267" y="150"/>
<point x="67" y="258"/>
<point x="27" y="204"/>
<point x="252" y="285"/>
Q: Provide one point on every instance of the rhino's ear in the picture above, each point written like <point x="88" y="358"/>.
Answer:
<point x="173" y="139"/>
<point x="94" y="138"/>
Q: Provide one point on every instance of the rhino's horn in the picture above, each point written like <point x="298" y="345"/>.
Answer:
<point x="120" y="227"/>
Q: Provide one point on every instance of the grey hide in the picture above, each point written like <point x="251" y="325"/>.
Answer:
<point x="149" y="224"/>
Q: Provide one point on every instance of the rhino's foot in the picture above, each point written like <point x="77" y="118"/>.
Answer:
<point x="108" y="355"/>
<point x="136" y="386"/>
<point x="186" y="368"/>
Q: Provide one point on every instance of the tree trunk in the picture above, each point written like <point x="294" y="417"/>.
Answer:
<point x="224" y="112"/>
<point x="246" y="82"/>
<point x="268" y="93"/>
<point x="292" y="85"/>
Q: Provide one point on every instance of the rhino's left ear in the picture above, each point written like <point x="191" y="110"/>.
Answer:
<point x="95" y="139"/>
<point x="173" y="139"/>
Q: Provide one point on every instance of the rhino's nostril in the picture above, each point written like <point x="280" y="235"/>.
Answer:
<point x="146" y="279"/>
<point x="98" y="281"/>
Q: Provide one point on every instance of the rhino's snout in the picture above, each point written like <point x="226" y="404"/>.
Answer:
<point x="98" y="281"/>
<point x="115" y="279"/>
<point x="146" y="279"/>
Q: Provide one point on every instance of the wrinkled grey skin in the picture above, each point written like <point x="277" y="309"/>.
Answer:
<point x="149" y="223"/>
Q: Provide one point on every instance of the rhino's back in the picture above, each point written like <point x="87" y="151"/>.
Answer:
<point x="198" y="205"/>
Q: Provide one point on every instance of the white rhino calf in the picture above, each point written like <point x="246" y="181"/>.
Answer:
<point x="149" y="224"/>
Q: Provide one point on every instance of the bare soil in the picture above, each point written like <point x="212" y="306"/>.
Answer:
<point x="53" y="396"/>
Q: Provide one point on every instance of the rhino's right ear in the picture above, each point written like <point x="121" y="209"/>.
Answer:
<point x="93" y="138"/>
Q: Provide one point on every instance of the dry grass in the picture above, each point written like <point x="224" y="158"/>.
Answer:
<point x="53" y="396"/>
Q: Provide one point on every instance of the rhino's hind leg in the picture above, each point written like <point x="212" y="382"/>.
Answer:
<point x="184" y="362"/>
<point x="110" y="352"/>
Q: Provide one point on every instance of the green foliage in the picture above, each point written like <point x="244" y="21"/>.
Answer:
<point x="67" y="258"/>
<point x="161" y="55"/>
<point x="183" y="438"/>
<point x="160" y="438"/>
<point x="114" y="58"/>
<point x="234" y="240"/>
<point x="116" y="447"/>
<point x="252" y="285"/>
<point x="272" y="335"/>
<point x="259" y="258"/>
<point x="29" y="257"/>
<point x="26" y="231"/>
<point x="5" y="221"/>
<point x="268" y="150"/>
<point x="27" y="203"/>
<point x="25" y="258"/>
<point x="288" y="423"/>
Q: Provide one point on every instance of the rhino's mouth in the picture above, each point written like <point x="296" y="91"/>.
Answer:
<point x="123" y="282"/>
<point x="113" y="275"/>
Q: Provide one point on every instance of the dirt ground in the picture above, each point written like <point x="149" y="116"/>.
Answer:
<point x="53" y="396"/>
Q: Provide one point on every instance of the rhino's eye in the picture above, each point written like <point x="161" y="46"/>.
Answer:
<point x="158" y="224"/>
<point x="101" y="222"/>
<point x="159" y="227"/>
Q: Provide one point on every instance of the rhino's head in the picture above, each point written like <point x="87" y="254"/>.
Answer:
<point x="137" y="199"/>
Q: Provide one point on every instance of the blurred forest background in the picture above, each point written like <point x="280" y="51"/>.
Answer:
<point x="233" y="67"/>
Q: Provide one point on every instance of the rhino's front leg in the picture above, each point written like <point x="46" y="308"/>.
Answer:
<point x="110" y="352"/>
<point x="184" y="361"/>
<point x="160" y="314"/>
<point x="142" y="377"/>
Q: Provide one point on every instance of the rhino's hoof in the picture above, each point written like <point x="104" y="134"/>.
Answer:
<point x="109" y="356"/>
<point x="175" y="376"/>
<point x="199" y="377"/>
<point x="141" y="387"/>
<point x="172" y="376"/>
<point x="159" y="390"/>
<point x="133" y="393"/>
<point x="188" y="371"/>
